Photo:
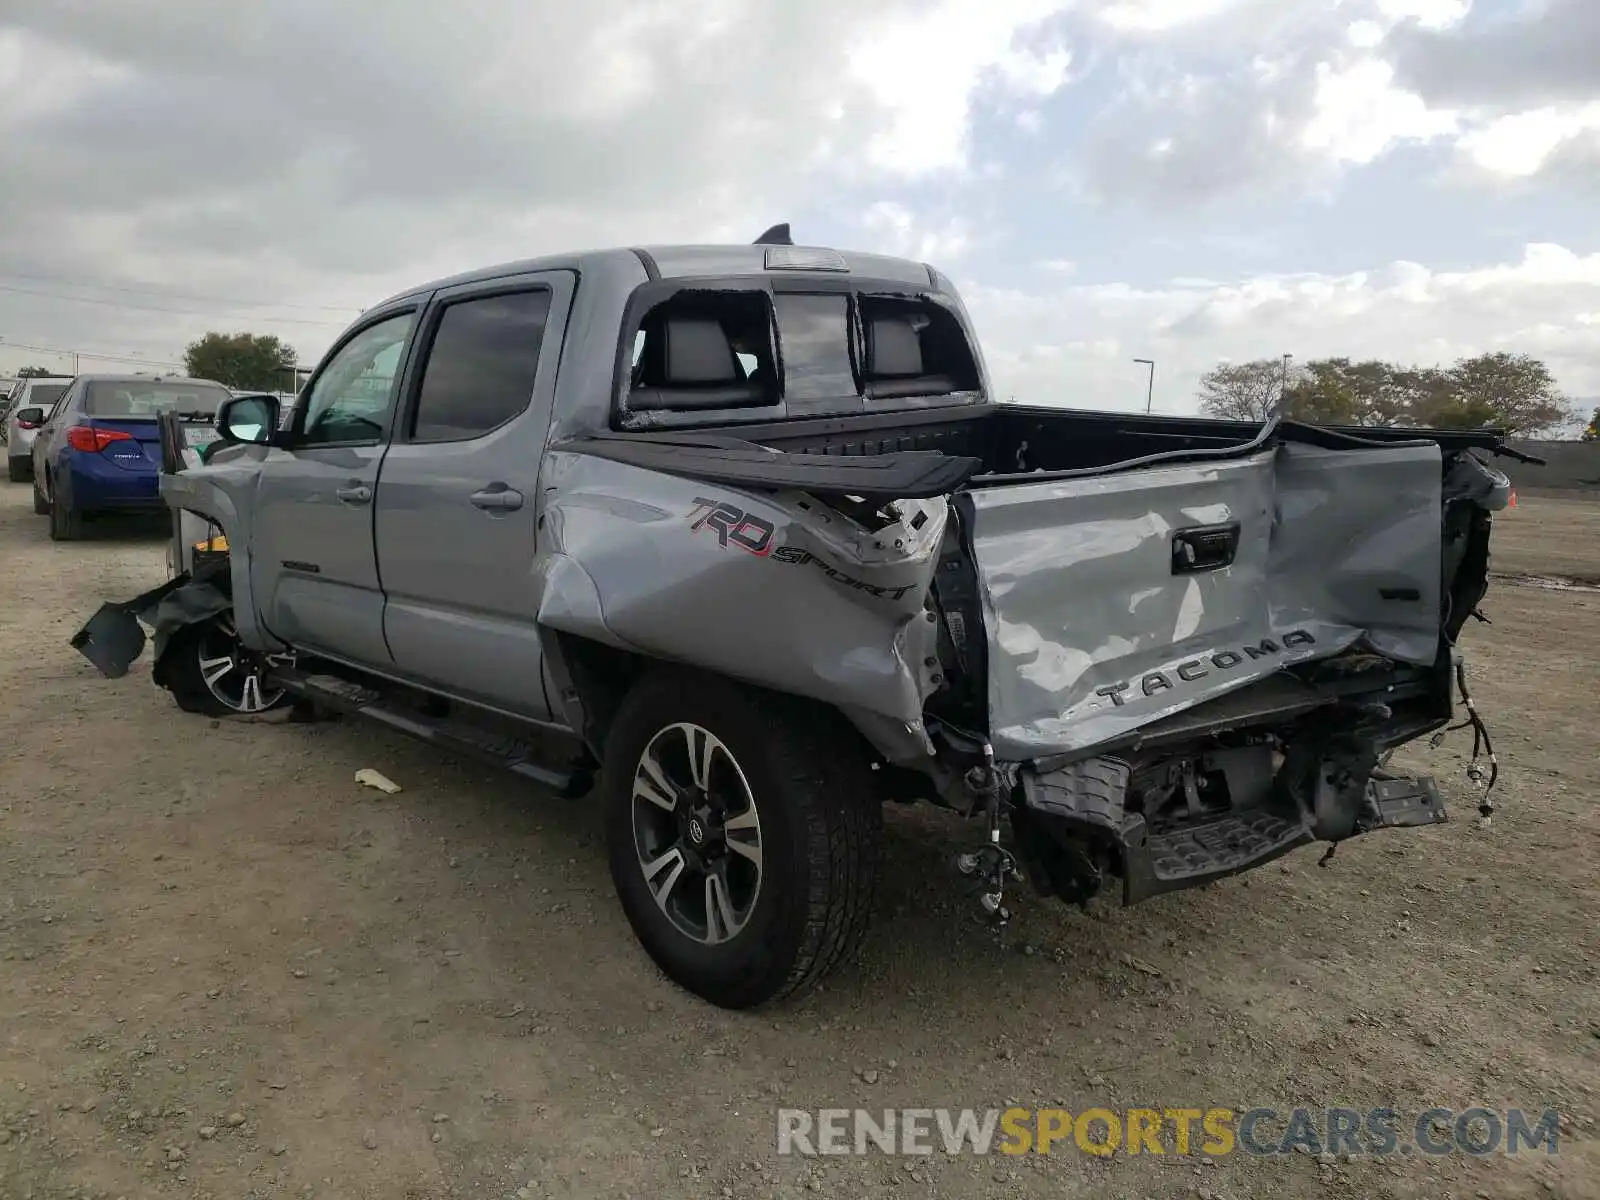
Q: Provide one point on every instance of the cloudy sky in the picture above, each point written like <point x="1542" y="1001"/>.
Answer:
<point x="1183" y="180"/>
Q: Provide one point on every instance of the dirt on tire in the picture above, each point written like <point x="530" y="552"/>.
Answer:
<point x="226" y="970"/>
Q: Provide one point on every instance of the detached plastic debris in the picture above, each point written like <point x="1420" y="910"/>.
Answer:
<point x="367" y="777"/>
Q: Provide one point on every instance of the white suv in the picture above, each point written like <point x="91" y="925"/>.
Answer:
<point x="41" y="391"/>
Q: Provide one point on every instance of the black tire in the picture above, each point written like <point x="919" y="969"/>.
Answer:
<point x="41" y="506"/>
<point x="19" y="470"/>
<point x="66" y="524"/>
<point x="180" y="672"/>
<point x="819" y="833"/>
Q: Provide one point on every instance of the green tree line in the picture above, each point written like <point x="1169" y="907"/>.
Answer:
<point x="1512" y="392"/>
<point x="257" y="361"/>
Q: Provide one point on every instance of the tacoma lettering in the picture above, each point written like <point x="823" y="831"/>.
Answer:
<point x="1195" y="669"/>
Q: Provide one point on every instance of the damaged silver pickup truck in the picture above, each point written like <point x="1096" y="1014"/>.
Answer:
<point x="736" y="540"/>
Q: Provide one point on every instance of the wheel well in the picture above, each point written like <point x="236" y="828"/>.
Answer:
<point x="591" y="679"/>
<point x="594" y="679"/>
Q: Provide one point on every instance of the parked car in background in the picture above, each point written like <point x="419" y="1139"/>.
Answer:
<point x="100" y="450"/>
<point x="40" y="392"/>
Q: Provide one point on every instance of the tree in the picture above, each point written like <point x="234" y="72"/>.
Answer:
<point x="1514" y="392"/>
<point x="34" y="372"/>
<point x="1329" y="391"/>
<point x="1592" y="433"/>
<point x="1242" y="391"/>
<point x="259" y="361"/>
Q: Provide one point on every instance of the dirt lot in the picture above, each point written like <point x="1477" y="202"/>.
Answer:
<point x="230" y="972"/>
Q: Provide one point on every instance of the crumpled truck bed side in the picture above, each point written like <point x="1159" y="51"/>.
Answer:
<point x="777" y="589"/>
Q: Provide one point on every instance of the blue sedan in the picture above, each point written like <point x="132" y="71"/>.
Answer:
<point x="100" y="448"/>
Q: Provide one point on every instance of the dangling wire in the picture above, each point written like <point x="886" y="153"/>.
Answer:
<point x="1482" y="746"/>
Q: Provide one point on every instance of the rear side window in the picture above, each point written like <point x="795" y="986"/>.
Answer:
<point x="704" y="351"/>
<point x="42" y="394"/>
<point x="482" y="365"/>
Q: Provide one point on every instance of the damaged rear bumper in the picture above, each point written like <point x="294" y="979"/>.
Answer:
<point x="1077" y="826"/>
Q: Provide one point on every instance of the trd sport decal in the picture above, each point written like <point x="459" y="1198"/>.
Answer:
<point x="752" y="534"/>
<point x="731" y="524"/>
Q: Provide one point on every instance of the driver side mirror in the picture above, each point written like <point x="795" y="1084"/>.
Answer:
<point x="248" y="420"/>
<point x="30" y="418"/>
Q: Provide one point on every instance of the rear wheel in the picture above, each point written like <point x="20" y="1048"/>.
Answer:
<point x="209" y="671"/>
<point x="19" y="470"/>
<point x="743" y="835"/>
<point x="66" y="523"/>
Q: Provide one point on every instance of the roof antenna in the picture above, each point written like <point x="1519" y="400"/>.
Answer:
<point x="778" y="235"/>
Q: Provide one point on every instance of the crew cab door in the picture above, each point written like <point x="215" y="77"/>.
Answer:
<point x="458" y="497"/>
<point x="314" y="571"/>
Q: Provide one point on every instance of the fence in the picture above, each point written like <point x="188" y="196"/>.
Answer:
<point x="1571" y="469"/>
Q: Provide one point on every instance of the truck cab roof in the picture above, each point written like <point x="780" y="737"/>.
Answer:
<point x="677" y="262"/>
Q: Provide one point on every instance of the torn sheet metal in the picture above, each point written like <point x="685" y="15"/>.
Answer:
<point x="778" y="590"/>
<point x="1111" y="602"/>
<point x="114" y="637"/>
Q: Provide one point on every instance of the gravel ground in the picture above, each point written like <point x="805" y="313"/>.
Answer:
<point x="228" y="971"/>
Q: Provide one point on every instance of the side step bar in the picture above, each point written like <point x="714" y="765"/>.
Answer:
<point x="508" y="752"/>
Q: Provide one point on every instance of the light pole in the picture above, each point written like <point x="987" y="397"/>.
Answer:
<point x="1150" y="388"/>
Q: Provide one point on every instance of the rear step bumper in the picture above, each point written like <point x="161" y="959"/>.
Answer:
<point x="507" y="752"/>
<point x="1074" y="827"/>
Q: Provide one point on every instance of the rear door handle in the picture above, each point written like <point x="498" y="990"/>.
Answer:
<point x="497" y="497"/>
<point x="356" y="493"/>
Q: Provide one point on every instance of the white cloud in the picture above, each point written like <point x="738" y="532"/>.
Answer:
<point x="1360" y="114"/>
<point x="897" y="230"/>
<point x="1521" y="144"/>
<point x="1074" y="346"/>
<point x="1430" y="14"/>
<point x="1161" y="16"/>
<point x="1366" y="34"/>
<point x="923" y="68"/>
<point x="336" y="152"/>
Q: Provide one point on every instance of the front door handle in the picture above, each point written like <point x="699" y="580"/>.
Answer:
<point x="497" y="497"/>
<point x="356" y="493"/>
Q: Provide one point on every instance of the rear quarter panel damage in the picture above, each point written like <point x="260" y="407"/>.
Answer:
<point x="777" y="590"/>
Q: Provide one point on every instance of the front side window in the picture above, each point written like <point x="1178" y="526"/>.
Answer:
<point x="482" y="366"/>
<point x="352" y="397"/>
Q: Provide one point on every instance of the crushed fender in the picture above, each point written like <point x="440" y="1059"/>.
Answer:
<point x="114" y="637"/>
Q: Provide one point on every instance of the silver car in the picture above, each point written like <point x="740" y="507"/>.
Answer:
<point x="41" y="391"/>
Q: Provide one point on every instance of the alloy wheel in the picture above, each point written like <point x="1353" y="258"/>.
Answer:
<point x="235" y="676"/>
<point x="697" y="833"/>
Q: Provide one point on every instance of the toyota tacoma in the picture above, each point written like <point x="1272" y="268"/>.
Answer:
<point x="737" y="542"/>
